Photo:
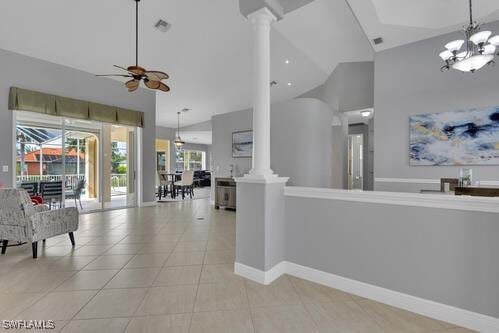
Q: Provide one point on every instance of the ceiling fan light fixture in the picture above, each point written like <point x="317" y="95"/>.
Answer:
<point x="151" y="79"/>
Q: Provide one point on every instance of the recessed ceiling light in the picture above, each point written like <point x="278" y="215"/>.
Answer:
<point x="286" y="62"/>
<point x="162" y="25"/>
<point x="289" y="83"/>
<point x="366" y="113"/>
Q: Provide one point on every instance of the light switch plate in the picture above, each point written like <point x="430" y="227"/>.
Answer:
<point x="5" y="168"/>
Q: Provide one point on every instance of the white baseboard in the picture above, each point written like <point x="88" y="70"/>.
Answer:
<point x="439" y="311"/>
<point x="260" y="276"/>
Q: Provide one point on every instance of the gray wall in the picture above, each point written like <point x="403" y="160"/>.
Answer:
<point x="34" y="74"/>
<point x="447" y="256"/>
<point x="350" y="87"/>
<point x="407" y="82"/>
<point x="167" y="133"/>
<point x="301" y="142"/>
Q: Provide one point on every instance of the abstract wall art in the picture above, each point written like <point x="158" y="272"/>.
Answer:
<point x="467" y="137"/>
<point x="242" y="144"/>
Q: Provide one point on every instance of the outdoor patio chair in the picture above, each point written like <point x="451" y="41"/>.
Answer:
<point x="76" y="192"/>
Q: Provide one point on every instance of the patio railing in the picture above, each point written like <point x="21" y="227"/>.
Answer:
<point x="119" y="181"/>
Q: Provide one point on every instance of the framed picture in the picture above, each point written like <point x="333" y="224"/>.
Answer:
<point x="242" y="144"/>
<point x="466" y="137"/>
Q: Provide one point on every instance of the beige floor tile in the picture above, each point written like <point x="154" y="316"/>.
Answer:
<point x="219" y="257"/>
<point x="222" y="273"/>
<point x="134" y="278"/>
<point x="88" y="280"/>
<point x="12" y="304"/>
<point x="280" y="292"/>
<point x="163" y="247"/>
<point x="194" y="236"/>
<point x="216" y="297"/>
<point x="116" y="261"/>
<point x="185" y="258"/>
<point x="111" y="325"/>
<point x="392" y="319"/>
<point x="148" y="260"/>
<point x="113" y="303"/>
<point x="344" y="317"/>
<point x="125" y="249"/>
<point x="315" y="293"/>
<point x="39" y="281"/>
<point x="176" y="323"/>
<point x="71" y="263"/>
<point x="92" y="250"/>
<point x="285" y="319"/>
<point x="222" y="321"/>
<point x="168" y="300"/>
<point x="178" y="275"/>
<point x="57" y="305"/>
<point x="191" y="246"/>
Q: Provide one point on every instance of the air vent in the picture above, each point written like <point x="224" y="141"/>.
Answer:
<point x="378" y="41"/>
<point x="162" y="26"/>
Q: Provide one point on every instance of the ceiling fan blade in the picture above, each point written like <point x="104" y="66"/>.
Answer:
<point x="120" y="75"/>
<point x="151" y="84"/>
<point x="123" y="68"/>
<point x="156" y="75"/>
<point x="137" y="70"/>
<point x="132" y="85"/>
<point x="163" y="87"/>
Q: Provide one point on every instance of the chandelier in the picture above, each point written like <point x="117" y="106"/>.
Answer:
<point x="472" y="53"/>
<point x="178" y="141"/>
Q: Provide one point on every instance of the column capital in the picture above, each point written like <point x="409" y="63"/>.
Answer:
<point x="264" y="14"/>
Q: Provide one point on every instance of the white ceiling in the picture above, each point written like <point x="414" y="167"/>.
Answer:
<point x="207" y="51"/>
<point x="199" y="137"/>
<point x="401" y="22"/>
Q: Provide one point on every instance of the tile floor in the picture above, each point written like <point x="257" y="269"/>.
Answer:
<point x="169" y="268"/>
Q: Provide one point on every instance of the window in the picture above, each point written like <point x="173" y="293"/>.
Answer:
<point x="190" y="160"/>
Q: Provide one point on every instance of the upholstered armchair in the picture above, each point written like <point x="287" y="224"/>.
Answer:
<point x="20" y="221"/>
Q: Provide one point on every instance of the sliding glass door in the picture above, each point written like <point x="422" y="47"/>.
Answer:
<point x="70" y="162"/>
<point x="119" y="166"/>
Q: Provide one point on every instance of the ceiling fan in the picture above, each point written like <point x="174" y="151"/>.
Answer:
<point x="151" y="79"/>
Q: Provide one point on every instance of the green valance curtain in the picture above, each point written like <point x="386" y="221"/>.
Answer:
<point x="34" y="101"/>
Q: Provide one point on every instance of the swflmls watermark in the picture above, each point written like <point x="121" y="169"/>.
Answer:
<point x="28" y="324"/>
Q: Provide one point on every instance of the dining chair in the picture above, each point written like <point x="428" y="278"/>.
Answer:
<point x="186" y="184"/>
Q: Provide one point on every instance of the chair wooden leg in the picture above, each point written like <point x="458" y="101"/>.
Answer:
<point x="4" y="246"/>
<point x="34" y="247"/>
<point x="72" y="238"/>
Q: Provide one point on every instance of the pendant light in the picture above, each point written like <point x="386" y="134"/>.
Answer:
<point x="178" y="141"/>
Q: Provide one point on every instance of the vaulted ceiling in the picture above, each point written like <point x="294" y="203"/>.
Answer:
<point x="401" y="22"/>
<point x="207" y="51"/>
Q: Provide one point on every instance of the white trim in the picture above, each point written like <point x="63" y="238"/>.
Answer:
<point x="253" y="179"/>
<point x="428" y="181"/>
<point x="407" y="180"/>
<point x="439" y="311"/>
<point x="488" y="183"/>
<point x="260" y="276"/>
<point x="444" y="201"/>
<point x="456" y="316"/>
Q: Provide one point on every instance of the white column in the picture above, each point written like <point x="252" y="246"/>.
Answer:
<point x="262" y="21"/>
